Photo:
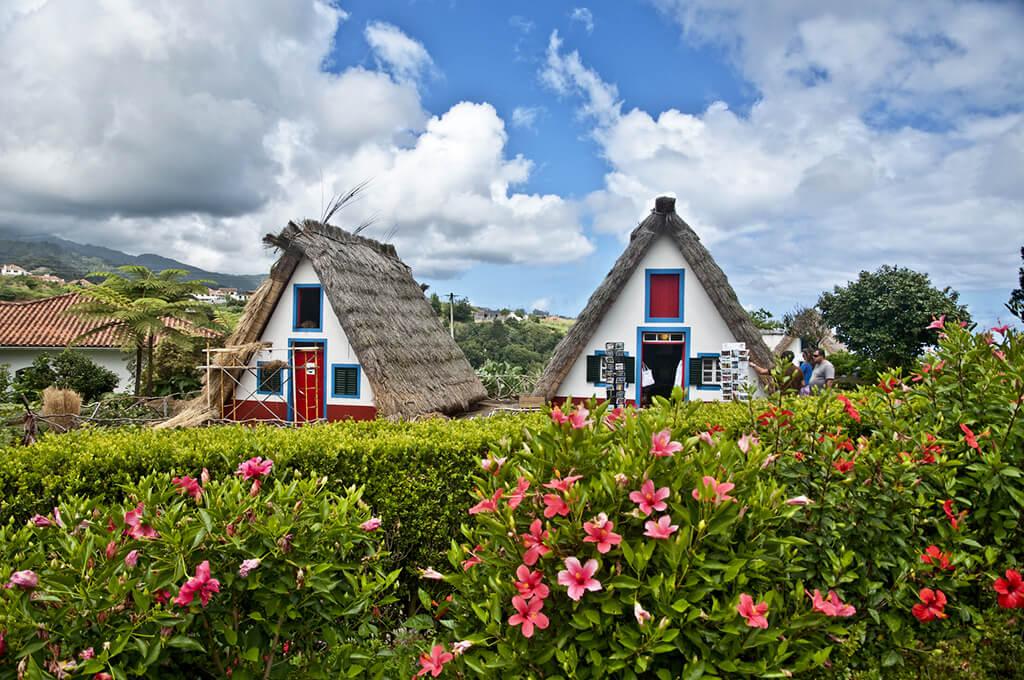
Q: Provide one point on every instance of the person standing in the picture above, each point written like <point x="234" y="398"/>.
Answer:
<point x="824" y="373"/>
<point x="807" y="366"/>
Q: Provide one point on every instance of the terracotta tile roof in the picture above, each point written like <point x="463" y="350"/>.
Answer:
<point x="41" y="323"/>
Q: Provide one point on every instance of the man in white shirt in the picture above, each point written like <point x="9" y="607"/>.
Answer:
<point x="824" y="372"/>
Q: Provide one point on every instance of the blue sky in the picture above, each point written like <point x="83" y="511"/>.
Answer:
<point x="511" y="147"/>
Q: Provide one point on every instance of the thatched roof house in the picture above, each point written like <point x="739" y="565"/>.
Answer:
<point x="670" y="305"/>
<point x="376" y="348"/>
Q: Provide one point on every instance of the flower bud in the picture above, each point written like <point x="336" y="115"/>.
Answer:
<point x="621" y="480"/>
<point x="300" y="578"/>
<point x="204" y="478"/>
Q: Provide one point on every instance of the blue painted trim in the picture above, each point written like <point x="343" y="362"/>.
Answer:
<point x="647" y="296"/>
<point x="640" y="330"/>
<point x="295" y="307"/>
<point x="600" y="352"/>
<point x="259" y="380"/>
<point x="709" y="388"/>
<point x="291" y="388"/>
<point x="334" y="387"/>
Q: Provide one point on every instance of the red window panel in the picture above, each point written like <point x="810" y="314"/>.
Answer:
<point x="664" y="300"/>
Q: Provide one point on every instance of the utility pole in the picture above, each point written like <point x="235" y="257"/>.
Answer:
<point x="451" y="312"/>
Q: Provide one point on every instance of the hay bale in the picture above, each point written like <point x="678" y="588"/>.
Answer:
<point x="61" y="406"/>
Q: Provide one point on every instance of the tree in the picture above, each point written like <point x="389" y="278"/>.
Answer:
<point x="762" y="320"/>
<point x="884" y="315"/>
<point x="142" y="306"/>
<point x="1016" y="303"/>
<point x="805" y="323"/>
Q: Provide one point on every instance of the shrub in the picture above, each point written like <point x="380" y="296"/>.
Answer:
<point x="907" y="500"/>
<point x="695" y="576"/>
<point x="69" y="370"/>
<point x="213" y="578"/>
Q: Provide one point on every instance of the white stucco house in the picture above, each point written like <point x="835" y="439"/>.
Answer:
<point x="672" y="308"/>
<point x="28" y="329"/>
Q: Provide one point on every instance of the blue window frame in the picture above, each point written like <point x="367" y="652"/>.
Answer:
<point x="640" y="355"/>
<point x="307" y="308"/>
<point x="681" y="273"/>
<point x="345" y="381"/>
<point x="716" y="369"/>
<point x="269" y="381"/>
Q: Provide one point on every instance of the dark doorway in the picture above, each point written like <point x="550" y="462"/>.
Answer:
<point x="663" y="358"/>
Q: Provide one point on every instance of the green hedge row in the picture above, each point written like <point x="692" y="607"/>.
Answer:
<point x="417" y="475"/>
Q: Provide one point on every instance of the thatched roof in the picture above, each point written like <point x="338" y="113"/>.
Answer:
<point x="662" y="220"/>
<point x="412" y="364"/>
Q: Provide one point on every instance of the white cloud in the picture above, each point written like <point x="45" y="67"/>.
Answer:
<point x="525" y="116"/>
<point x="193" y="129"/>
<point x="584" y="16"/>
<point x="880" y="135"/>
<point x="406" y="58"/>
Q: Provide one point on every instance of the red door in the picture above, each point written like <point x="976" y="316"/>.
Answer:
<point x="309" y="383"/>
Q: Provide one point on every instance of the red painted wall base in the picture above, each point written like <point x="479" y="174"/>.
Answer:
<point x="250" y="410"/>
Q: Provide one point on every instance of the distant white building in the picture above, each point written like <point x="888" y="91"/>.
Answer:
<point x="11" y="270"/>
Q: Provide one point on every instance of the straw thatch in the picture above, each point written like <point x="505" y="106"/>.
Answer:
<point x="662" y="220"/>
<point x="412" y="364"/>
<point x="60" y="406"/>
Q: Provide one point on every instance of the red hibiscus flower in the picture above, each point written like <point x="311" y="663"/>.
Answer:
<point x="932" y="555"/>
<point x="201" y="583"/>
<point x="849" y="407"/>
<point x="947" y="507"/>
<point x="487" y="504"/>
<point x="754" y="614"/>
<point x="1010" y="589"/>
<point x="930" y="607"/>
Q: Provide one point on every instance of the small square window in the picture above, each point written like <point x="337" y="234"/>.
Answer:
<point x="269" y="380"/>
<point x="308" y="308"/>
<point x="711" y="371"/>
<point x="346" y="381"/>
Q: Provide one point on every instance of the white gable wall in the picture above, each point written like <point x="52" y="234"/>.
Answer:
<point x="707" y="329"/>
<point x="279" y="331"/>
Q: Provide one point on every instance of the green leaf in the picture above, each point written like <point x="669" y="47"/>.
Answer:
<point x="185" y="642"/>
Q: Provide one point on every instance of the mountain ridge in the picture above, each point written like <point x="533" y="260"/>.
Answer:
<point x="71" y="260"/>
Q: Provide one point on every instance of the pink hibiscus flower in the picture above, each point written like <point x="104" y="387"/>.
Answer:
<point x="641" y="614"/>
<point x="133" y="518"/>
<point x="534" y="542"/>
<point x="247" y="566"/>
<point x="662" y="529"/>
<point x="754" y="614"/>
<point x="614" y="417"/>
<point x="662" y="444"/>
<point x="832" y="606"/>
<point x="528" y="614"/>
<point x="487" y="504"/>
<point x="434" y="662"/>
<point x="745" y="442"/>
<point x="493" y="465"/>
<point x="371" y="524"/>
<point x="432" y="574"/>
<point x="557" y="417"/>
<point x="201" y="583"/>
<point x="254" y="467"/>
<point x="517" y="496"/>
<point x="529" y="584"/>
<point x="555" y="505"/>
<point x="578" y="419"/>
<point x="189" y="486"/>
<point x="936" y="323"/>
<point x="600" y="531"/>
<point x="563" y="484"/>
<point x="648" y="499"/>
<point x="132" y="558"/>
<point x="26" y="580"/>
<point x="473" y="559"/>
<point x="721" y="490"/>
<point x="579" y="578"/>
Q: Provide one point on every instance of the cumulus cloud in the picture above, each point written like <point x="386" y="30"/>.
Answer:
<point x="881" y="134"/>
<point x="408" y="59"/>
<point x="192" y="129"/>
<point x="583" y="16"/>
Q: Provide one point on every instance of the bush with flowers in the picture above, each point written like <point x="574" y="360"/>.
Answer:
<point x="259" y="574"/>
<point x="886" y="521"/>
